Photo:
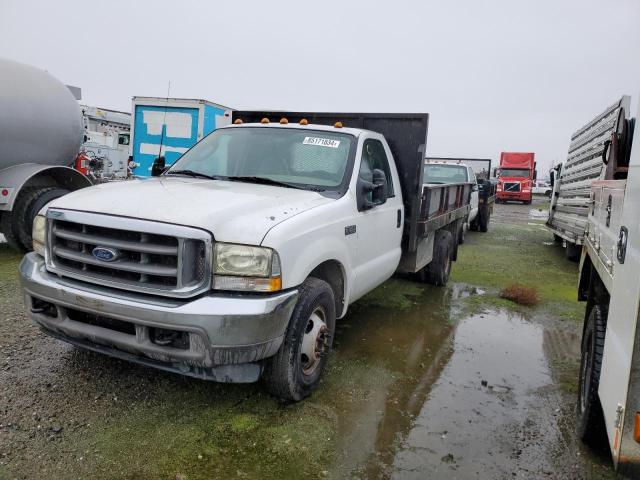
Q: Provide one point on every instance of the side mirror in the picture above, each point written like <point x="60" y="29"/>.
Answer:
<point x="535" y="174"/>
<point x="552" y="177"/>
<point x="371" y="194"/>
<point x="158" y="167"/>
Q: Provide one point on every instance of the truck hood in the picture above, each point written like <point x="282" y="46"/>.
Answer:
<point x="232" y="211"/>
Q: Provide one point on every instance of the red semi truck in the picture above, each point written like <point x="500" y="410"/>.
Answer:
<point x="516" y="174"/>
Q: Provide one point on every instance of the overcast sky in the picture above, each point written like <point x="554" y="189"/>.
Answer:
<point x="495" y="75"/>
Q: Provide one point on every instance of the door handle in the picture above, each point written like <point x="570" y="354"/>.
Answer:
<point x="622" y="244"/>
<point x="399" y="219"/>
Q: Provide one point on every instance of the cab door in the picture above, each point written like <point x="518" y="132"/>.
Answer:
<point x="378" y="229"/>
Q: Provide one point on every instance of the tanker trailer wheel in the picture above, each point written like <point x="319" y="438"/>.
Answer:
<point x="295" y="370"/>
<point x="437" y="272"/>
<point x="590" y="419"/>
<point x="28" y="204"/>
<point x="7" y="229"/>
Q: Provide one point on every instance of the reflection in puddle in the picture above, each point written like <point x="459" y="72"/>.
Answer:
<point x="440" y="390"/>
<point x="485" y="389"/>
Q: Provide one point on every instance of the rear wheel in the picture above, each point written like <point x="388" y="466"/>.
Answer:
<point x="438" y="270"/>
<point x="557" y="238"/>
<point x="295" y="370"/>
<point x="484" y="222"/>
<point x="573" y="252"/>
<point x="590" y="420"/>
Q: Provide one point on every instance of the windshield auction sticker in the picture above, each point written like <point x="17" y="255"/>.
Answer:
<point x="323" y="142"/>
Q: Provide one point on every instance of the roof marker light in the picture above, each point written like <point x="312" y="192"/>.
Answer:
<point x="283" y="121"/>
<point x="304" y="121"/>
<point x="265" y="120"/>
<point x="338" y="125"/>
<point x="238" y="121"/>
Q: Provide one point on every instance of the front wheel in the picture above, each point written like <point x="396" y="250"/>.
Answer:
<point x="295" y="370"/>
<point x="590" y="420"/>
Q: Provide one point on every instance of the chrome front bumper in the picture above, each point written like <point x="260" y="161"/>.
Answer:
<point x="228" y="334"/>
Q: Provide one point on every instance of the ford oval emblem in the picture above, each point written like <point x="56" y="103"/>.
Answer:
<point x="105" y="254"/>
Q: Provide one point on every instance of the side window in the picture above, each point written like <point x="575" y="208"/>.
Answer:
<point x="374" y="156"/>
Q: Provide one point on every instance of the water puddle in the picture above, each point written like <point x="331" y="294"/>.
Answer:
<point x="451" y="399"/>
<point x="538" y="214"/>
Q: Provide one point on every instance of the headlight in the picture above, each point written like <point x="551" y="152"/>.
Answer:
<point x="248" y="268"/>
<point x="38" y="234"/>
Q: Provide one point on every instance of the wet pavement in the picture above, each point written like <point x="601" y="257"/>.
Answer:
<point x="424" y="382"/>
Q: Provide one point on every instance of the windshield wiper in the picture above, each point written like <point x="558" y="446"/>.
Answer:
<point x="270" y="181"/>
<point x="192" y="173"/>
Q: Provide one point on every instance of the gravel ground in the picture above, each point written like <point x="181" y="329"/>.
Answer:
<point x="423" y="383"/>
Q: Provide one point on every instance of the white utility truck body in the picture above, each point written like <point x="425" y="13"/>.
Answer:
<point x="237" y="260"/>
<point x="107" y="135"/>
<point x="571" y="180"/>
<point x="609" y="398"/>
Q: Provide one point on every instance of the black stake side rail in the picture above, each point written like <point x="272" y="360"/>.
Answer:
<point x="443" y="204"/>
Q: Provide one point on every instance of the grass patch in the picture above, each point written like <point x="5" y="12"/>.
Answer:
<point x="516" y="253"/>
<point x="396" y="293"/>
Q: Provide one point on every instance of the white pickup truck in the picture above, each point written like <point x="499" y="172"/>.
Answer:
<point x="483" y="191"/>
<point x="235" y="263"/>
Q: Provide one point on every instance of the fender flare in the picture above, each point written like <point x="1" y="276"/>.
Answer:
<point x="32" y="174"/>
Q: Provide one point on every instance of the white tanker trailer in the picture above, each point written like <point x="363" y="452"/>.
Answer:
<point x="40" y="134"/>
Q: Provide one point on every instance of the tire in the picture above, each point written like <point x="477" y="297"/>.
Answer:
<point x="547" y="194"/>
<point x="590" y="420"/>
<point x="32" y="203"/>
<point x="572" y="252"/>
<point x="557" y="238"/>
<point x="461" y="234"/>
<point x="437" y="272"/>
<point x="289" y="374"/>
<point x="484" y="222"/>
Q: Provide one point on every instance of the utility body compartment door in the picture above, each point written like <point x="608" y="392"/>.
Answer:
<point x="619" y="389"/>
<point x="379" y="229"/>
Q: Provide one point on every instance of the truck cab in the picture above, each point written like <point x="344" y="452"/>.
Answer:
<point x="515" y="177"/>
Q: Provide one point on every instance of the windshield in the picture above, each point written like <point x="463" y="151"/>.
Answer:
<point x="514" y="172"/>
<point x="435" y="173"/>
<point x="292" y="157"/>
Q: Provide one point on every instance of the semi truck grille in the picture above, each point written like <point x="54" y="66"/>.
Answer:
<point x="512" y="187"/>
<point x="148" y="257"/>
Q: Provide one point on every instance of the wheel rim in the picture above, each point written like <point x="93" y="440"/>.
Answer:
<point x="585" y="380"/>
<point x="314" y="341"/>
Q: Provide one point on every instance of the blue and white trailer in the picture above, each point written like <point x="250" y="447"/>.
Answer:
<point x="176" y="123"/>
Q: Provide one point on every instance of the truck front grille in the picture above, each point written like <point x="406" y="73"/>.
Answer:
<point x="150" y="257"/>
<point x="512" y="187"/>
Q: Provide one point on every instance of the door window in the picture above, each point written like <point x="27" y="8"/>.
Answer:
<point x="374" y="156"/>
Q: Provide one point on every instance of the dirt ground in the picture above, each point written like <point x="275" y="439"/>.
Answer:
<point x="424" y="382"/>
